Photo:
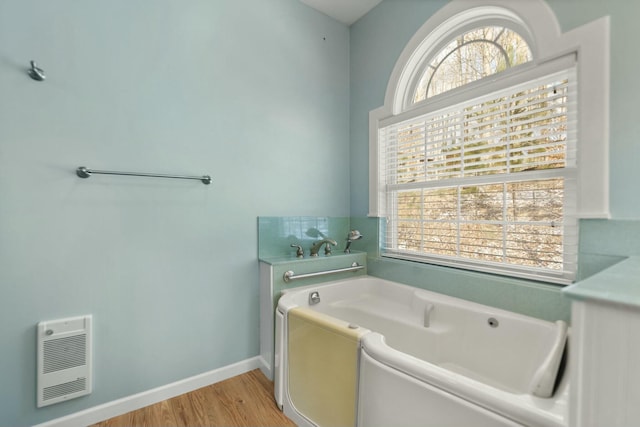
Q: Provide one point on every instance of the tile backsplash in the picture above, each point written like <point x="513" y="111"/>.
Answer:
<point x="277" y="234"/>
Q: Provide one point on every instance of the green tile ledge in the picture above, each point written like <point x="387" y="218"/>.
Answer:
<point x="618" y="284"/>
<point x="292" y="259"/>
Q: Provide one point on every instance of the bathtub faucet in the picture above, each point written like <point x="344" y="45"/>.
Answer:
<point x="327" y="249"/>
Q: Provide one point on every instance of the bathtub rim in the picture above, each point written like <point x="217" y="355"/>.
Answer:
<point x="287" y="296"/>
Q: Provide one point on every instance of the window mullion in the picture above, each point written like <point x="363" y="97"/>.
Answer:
<point x="459" y="220"/>
<point x="463" y="143"/>
<point x="505" y="216"/>
<point x="422" y="196"/>
<point x="422" y="219"/>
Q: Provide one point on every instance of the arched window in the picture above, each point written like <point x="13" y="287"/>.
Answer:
<point x="471" y="56"/>
<point x="478" y="156"/>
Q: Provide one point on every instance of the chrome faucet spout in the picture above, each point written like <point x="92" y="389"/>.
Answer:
<point x="353" y="236"/>
<point x="317" y="245"/>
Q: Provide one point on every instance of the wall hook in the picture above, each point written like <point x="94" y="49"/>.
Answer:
<point x="36" y="73"/>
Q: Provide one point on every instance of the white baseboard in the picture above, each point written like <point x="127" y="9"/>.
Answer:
<point x="149" y="397"/>
<point x="265" y="368"/>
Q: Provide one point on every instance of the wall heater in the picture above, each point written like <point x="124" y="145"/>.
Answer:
<point x="64" y="359"/>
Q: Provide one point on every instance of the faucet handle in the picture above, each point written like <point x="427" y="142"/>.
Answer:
<point x="299" y="251"/>
<point x="327" y="246"/>
<point x="327" y="249"/>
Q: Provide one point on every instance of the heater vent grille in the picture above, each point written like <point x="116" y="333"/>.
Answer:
<point x="64" y="389"/>
<point x="64" y="359"/>
<point x="65" y="353"/>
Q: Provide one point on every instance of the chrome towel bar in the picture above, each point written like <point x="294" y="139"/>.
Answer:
<point x="290" y="275"/>
<point x="84" y="172"/>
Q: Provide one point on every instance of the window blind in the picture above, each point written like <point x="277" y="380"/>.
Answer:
<point x="487" y="183"/>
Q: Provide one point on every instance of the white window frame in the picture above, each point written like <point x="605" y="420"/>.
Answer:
<point x="537" y="24"/>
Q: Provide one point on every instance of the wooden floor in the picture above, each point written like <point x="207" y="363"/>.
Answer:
<point x="245" y="400"/>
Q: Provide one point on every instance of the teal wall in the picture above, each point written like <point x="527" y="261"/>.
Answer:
<point x="625" y="92"/>
<point x="254" y="93"/>
<point x="377" y="41"/>
<point x="270" y="98"/>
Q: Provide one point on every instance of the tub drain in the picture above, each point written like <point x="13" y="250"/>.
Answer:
<point x="493" y="322"/>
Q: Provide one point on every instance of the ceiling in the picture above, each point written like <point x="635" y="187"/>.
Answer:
<point x="345" y="11"/>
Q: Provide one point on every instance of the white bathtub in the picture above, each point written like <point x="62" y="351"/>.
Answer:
<point x="425" y="359"/>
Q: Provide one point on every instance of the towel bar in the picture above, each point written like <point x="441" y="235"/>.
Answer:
<point x="84" y="172"/>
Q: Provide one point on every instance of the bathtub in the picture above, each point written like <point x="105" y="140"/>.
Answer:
<point x="370" y="352"/>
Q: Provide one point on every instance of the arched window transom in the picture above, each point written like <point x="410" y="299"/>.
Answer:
<point x="472" y="56"/>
